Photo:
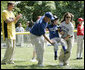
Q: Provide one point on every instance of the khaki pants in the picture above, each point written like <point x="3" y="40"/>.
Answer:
<point x="65" y="57"/>
<point x="80" y="44"/>
<point x="38" y="42"/>
<point x="8" y="57"/>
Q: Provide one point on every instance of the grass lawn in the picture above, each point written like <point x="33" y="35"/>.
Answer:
<point x="23" y="56"/>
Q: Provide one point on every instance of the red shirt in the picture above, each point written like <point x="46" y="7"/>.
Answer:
<point x="79" y="30"/>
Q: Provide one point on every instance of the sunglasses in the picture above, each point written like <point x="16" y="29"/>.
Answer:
<point x="68" y="17"/>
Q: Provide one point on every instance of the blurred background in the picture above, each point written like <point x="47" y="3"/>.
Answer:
<point x="30" y="10"/>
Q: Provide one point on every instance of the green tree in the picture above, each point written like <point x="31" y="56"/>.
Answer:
<point x="40" y="7"/>
<point x="31" y="9"/>
<point x="75" y="7"/>
<point x="3" y="7"/>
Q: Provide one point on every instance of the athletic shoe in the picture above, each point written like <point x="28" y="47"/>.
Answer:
<point x="11" y="62"/>
<point x="79" y="58"/>
<point x="3" y="63"/>
<point x="66" y="64"/>
<point x="61" y="64"/>
<point x="33" y="60"/>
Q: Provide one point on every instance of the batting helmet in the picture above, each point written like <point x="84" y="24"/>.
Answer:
<point x="55" y="18"/>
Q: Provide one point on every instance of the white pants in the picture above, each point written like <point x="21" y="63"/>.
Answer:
<point x="57" y="42"/>
<point x="8" y="57"/>
<point x="38" y="42"/>
<point x="80" y="44"/>
<point x="20" y="40"/>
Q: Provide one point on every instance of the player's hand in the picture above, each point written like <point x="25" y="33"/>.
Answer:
<point x="52" y="42"/>
<point x="66" y="38"/>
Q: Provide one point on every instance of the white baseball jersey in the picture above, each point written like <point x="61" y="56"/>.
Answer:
<point x="19" y="29"/>
<point x="67" y="28"/>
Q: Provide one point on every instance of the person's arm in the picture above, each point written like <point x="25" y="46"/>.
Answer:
<point x="82" y="25"/>
<point x="67" y="37"/>
<point x="70" y="33"/>
<point x="47" y="29"/>
<point x="48" y="39"/>
<point x="9" y="20"/>
<point x="23" y="29"/>
<point x="13" y="19"/>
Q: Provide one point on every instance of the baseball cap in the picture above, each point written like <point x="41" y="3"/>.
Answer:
<point x="49" y="15"/>
<point x="80" y="19"/>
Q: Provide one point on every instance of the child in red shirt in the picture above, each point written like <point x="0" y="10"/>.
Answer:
<point x="80" y="36"/>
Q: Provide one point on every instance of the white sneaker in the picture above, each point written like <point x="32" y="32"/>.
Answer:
<point x="61" y="64"/>
<point x="66" y="64"/>
<point x="11" y="62"/>
<point x="33" y="60"/>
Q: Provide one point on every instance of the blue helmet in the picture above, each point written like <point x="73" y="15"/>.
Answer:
<point x="55" y="18"/>
<point x="49" y="15"/>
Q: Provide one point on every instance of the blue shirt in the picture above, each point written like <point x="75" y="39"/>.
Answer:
<point x="53" y="31"/>
<point x="39" y="27"/>
<point x="28" y="28"/>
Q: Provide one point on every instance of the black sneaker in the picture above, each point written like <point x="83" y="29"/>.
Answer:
<point x="3" y="63"/>
<point x="79" y="58"/>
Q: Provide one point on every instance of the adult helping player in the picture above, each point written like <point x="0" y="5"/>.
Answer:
<point x="54" y="35"/>
<point x="38" y="34"/>
<point x="68" y="29"/>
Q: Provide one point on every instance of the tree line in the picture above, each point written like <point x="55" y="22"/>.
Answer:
<point x="31" y="9"/>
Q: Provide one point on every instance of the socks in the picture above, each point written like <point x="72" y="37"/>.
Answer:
<point x="56" y="53"/>
<point x="64" y="48"/>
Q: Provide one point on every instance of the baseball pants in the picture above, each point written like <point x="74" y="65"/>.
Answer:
<point x="58" y="41"/>
<point x="80" y="44"/>
<point x="38" y="42"/>
<point x="8" y="57"/>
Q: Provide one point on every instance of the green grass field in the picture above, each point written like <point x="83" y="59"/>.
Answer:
<point x="23" y="56"/>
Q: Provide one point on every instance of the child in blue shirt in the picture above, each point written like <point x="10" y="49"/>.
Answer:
<point x="54" y="35"/>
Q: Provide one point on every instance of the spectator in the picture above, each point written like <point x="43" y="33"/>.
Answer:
<point x="19" y="38"/>
<point x="26" y="36"/>
<point x="28" y="28"/>
<point x="80" y="36"/>
<point x="8" y="29"/>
